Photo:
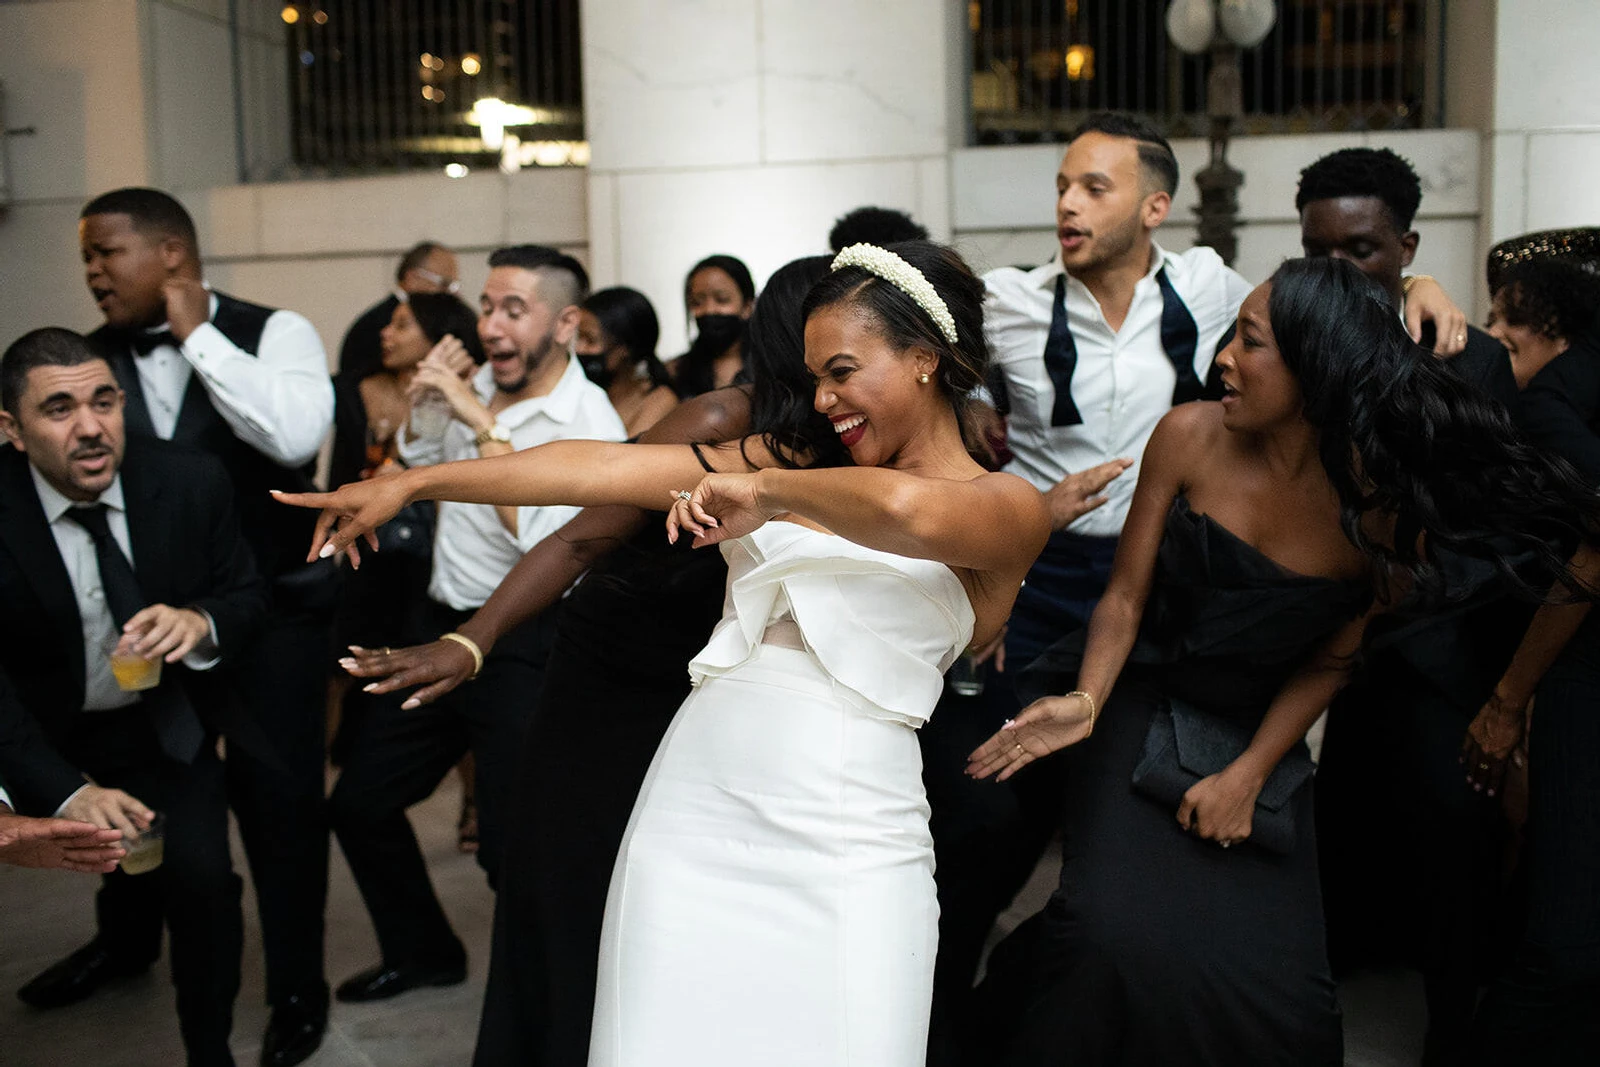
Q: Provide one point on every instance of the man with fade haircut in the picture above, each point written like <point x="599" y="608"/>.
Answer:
<point x="1427" y="887"/>
<point x="531" y="390"/>
<point x="249" y="385"/>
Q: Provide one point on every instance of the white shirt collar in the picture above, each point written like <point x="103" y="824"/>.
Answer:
<point x="559" y="404"/>
<point x="1045" y="277"/>
<point x="56" y="505"/>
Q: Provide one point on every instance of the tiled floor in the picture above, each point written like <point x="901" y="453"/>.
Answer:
<point x="44" y="915"/>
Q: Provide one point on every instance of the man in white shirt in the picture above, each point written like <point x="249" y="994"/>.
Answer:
<point x="250" y="385"/>
<point x="531" y="390"/>
<point x="134" y="549"/>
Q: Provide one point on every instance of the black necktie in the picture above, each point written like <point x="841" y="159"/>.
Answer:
<point x="1179" y="337"/>
<point x="176" y="724"/>
<point x="145" y="343"/>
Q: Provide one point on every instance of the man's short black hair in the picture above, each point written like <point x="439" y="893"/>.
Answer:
<point x="875" y="226"/>
<point x="566" y="272"/>
<point x="152" y="211"/>
<point x="1160" y="166"/>
<point x="1374" y="172"/>
<point x="415" y="257"/>
<point x="51" y="346"/>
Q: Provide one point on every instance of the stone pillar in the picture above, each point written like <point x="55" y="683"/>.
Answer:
<point x="748" y="126"/>
<point x="1543" y="143"/>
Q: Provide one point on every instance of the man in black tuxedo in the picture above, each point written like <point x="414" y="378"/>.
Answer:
<point x="1410" y="854"/>
<point x="136" y="549"/>
<point x="428" y="267"/>
<point x="250" y="386"/>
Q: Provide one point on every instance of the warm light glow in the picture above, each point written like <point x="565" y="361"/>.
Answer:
<point x="320" y="18"/>
<point x="427" y="60"/>
<point x="1080" y="63"/>
<point x="455" y="170"/>
<point x="492" y="115"/>
<point x="290" y="14"/>
<point x="471" y="64"/>
<point x="433" y="94"/>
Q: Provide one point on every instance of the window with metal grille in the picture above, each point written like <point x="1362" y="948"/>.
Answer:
<point x="1040" y="66"/>
<point x="384" y="85"/>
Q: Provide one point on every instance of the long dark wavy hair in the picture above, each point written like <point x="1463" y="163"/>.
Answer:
<point x="629" y="320"/>
<point x="1402" y="435"/>
<point x="961" y="365"/>
<point x="782" y="396"/>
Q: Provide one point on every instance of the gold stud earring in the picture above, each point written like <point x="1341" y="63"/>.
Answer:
<point x="923" y="378"/>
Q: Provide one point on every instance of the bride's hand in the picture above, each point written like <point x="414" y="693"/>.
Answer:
<point x="350" y="513"/>
<point x="1043" y="727"/>
<point x="721" y="508"/>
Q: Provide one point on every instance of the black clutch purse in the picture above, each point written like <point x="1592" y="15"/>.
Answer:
<point x="1185" y="744"/>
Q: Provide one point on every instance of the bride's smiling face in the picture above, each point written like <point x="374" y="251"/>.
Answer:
<point x="869" y="389"/>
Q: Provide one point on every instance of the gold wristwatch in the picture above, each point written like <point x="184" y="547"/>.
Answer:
<point x="494" y="432"/>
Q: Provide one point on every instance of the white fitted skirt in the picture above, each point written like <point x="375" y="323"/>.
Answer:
<point x="773" y="902"/>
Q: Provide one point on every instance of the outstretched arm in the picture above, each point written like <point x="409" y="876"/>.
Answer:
<point x="1053" y="723"/>
<point x="585" y="473"/>
<point x="550" y="567"/>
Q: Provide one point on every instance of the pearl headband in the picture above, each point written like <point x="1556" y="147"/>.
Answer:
<point x="904" y="277"/>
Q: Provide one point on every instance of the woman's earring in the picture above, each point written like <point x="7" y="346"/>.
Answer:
<point x="923" y="378"/>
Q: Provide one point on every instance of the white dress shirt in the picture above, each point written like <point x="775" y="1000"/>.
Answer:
<point x="279" y="401"/>
<point x="100" y="689"/>
<point x="472" y="549"/>
<point x="1123" y="381"/>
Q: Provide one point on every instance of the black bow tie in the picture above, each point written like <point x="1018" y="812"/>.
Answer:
<point x="144" y="342"/>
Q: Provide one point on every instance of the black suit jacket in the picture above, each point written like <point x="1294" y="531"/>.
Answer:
<point x="1560" y="409"/>
<point x="187" y="552"/>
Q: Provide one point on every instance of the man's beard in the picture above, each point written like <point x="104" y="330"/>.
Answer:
<point x="1112" y="245"/>
<point x="532" y="363"/>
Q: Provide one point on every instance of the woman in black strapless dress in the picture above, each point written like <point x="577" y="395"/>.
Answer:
<point x="1265" y="531"/>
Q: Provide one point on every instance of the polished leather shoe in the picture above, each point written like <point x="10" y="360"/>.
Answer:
<point x="383" y="981"/>
<point x="80" y="974"/>
<point x="295" y="1030"/>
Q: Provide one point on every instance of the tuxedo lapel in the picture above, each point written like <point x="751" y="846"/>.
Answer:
<point x="26" y="535"/>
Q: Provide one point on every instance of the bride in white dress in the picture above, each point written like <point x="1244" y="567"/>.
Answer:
<point x="773" y="902"/>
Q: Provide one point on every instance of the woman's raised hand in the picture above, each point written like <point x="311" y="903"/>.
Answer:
<point x="1045" y="726"/>
<point x="350" y="513"/>
<point x="721" y="507"/>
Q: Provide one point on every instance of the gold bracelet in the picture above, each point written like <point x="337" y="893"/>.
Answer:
<point x="1094" y="712"/>
<point x="477" y="653"/>
<point x="1412" y="279"/>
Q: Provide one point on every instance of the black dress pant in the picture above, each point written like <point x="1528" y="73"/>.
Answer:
<point x="400" y="757"/>
<point x="282" y="810"/>
<point x="194" y="888"/>
<point x="279" y="801"/>
<point x="987" y="836"/>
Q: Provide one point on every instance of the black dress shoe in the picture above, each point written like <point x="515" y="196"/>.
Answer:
<point x="295" y="1030"/>
<point x="80" y="974"/>
<point x="383" y="981"/>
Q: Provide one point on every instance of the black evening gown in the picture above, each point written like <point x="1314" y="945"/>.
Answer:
<point x="1159" y="948"/>
<point x="616" y="677"/>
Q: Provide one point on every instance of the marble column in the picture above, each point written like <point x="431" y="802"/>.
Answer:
<point x="748" y="126"/>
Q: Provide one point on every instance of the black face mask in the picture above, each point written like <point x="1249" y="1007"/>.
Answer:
<point x="719" y="332"/>
<point x="596" y="370"/>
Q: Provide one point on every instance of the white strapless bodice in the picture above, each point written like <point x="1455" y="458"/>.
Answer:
<point x="884" y="627"/>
